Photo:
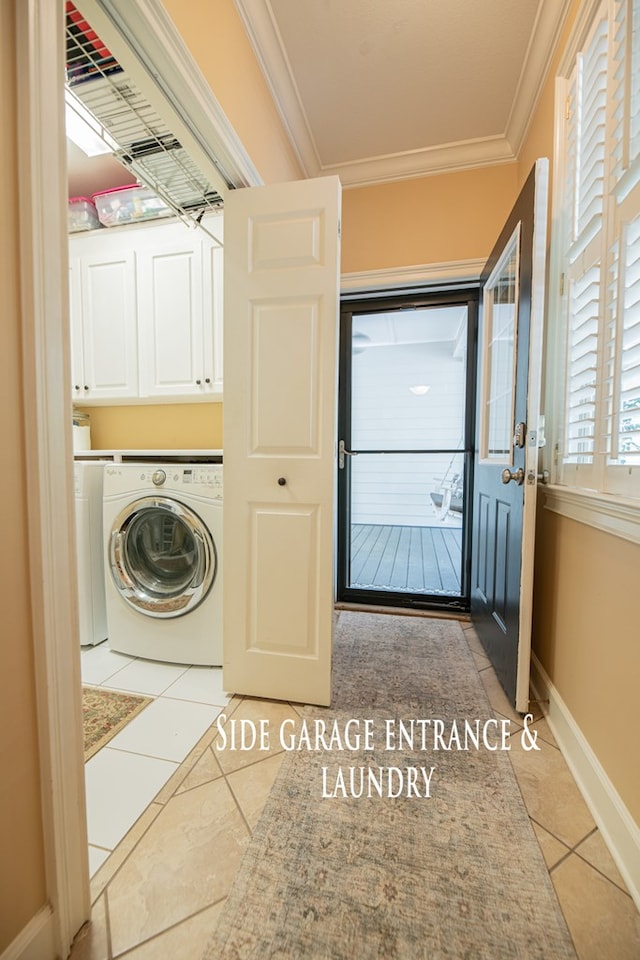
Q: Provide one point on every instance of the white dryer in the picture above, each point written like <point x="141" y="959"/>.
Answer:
<point x="89" y="551"/>
<point x="163" y="560"/>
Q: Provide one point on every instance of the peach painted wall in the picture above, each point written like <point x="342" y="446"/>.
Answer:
<point x="586" y="636"/>
<point x="436" y="219"/>
<point x="194" y="426"/>
<point x="22" y="878"/>
<point x="214" y="35"/>
<point x="585" y="621"/>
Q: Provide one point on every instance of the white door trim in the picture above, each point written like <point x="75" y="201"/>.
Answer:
<point x="47" y="426"/>
<point x="394" y="278"/>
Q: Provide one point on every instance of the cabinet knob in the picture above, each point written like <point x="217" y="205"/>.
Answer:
<point x="207" y="379"/>
<point x="76" y="386"/>
<point x="198" y="382"/>
<point x="86" y="387"/>
<point x="282" y="481"/>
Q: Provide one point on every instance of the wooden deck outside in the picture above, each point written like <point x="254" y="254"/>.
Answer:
<point x="406" y="559"/>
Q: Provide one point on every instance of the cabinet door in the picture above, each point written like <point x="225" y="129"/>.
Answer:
<point x="75" y="334"/>
<point x="170" y="319"/>
<point x="109" y="326"/>
<point x="212" y="315"/>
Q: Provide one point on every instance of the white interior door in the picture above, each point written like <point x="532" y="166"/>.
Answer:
<point x="280" y="351"/>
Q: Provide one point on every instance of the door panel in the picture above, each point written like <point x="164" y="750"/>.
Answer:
<point x="510" y="359"/>
<point x="406" y="399"/>
<point x="285" y="392"/>
<point x="171" y="316"/>
<point x="280" y="350"/>
<point x="109" y="325"/>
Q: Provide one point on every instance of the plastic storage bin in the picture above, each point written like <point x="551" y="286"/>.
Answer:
<point x="82" y="214"/>
<point x="129" y="204"/>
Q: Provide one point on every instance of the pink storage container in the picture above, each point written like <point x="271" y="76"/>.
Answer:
<point x="128" y="204"/>
<point x="81" y="214"/>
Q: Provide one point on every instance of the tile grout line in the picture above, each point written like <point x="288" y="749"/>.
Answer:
<point x="143" y="834"/>
<point x="224" y="776"/>
<point x="574" y="851"/>
<point x="107" y="924"/>
<point x="130" y="950"/>
<point x="104" y="892"/>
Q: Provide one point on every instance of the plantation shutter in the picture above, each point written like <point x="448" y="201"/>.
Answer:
<point x="585" y="192"/>
<point x="623" y="314"/>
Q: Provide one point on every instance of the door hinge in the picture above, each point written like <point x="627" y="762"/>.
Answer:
<point x="567" y="108"/>
<point x="562" y="276"/>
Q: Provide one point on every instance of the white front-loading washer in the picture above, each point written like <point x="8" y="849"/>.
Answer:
<point x="92" y="611"/>
<point x="163" y="560"/>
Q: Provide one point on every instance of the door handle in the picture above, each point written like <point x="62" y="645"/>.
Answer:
<point x="342" y="453"/>
<point x="508" y="475"/>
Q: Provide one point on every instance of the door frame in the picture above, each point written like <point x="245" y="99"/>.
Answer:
<point x="49" y="454"/>
<point x="431" y="295"/>
<point x="43" y="261"/>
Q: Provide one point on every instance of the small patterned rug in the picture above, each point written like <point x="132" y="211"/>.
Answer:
<point x="105" y="713"/>
<point x="363" y="866"/>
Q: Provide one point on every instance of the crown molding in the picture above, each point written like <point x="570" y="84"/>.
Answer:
<point x="264" y="36"/>
<point x="447" y="158"/>
<point x="550" y="20"/>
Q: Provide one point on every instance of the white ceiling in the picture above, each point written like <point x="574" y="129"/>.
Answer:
<point x="413" y="326"/>
<point x="377" y="90"/>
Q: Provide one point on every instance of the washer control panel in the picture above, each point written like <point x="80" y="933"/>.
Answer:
<point x="200" y="479"/>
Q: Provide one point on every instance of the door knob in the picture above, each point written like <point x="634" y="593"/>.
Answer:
<point x="508" y="475"/>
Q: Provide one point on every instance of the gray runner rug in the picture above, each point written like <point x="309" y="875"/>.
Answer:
<point x="336" y="871"/>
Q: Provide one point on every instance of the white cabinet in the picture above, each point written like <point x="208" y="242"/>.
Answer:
<point x="146" y="312"/>
<point x="104" y="346"/>
<point x="177" y="307"/>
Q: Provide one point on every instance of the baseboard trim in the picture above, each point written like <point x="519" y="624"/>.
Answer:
<point x="618" y="828"/>
<point x="35" y="941"/>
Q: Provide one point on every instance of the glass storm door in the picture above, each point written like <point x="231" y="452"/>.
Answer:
<point x="405" y="449"/>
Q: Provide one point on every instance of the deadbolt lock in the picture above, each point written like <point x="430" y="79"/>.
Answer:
<point x="519" y="435"/>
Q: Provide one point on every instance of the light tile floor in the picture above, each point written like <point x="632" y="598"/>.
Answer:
<point x="124" y="777"/>
<point x="154" y="893"/>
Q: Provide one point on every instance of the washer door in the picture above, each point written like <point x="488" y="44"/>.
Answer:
<point x="162" y="557"/>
